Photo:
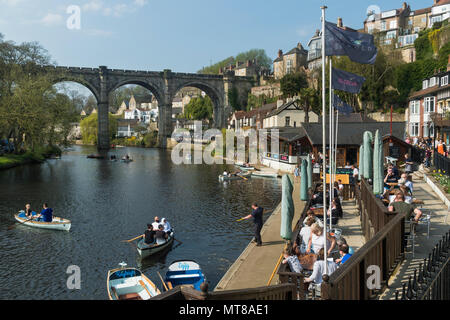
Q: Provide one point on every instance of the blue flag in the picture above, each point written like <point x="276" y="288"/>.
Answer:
<point x="359" y="47"/>
<point x="346" y="81"/>
<point x="341" y="106"/>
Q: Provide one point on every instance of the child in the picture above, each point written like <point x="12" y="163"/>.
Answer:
<point x="294" y="263"/>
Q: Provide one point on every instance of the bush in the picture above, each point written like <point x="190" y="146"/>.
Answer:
<point x="151" y="140"/>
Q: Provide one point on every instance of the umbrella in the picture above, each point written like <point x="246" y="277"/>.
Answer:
<point x="368" y="158"/>
<point x="361" y="161"/>
<point x="304" y="181"/>
<point x="309" y="171"/>
<point x="287" y="207"/>
<point x="378" y="168"/>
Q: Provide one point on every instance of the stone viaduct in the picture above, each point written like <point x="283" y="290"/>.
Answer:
<point x="164" y="85"/>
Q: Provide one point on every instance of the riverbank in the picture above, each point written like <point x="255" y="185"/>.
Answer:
<point x="12" y="160"/>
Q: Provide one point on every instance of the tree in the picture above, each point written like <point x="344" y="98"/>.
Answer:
<point x="89" y="128"/>
<point x="309" y="98"/>
<point x="259" y="55"/>
<point x="199" y="108"/>
<point x="292" y="83"/>
<point x="233" y="99"/>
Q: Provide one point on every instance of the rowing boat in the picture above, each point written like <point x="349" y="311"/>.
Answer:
<point x="126" y="160"/>
<point x="244" y="168"/>
<point x="129" y="284"/>
<point x="56" y="224"/>
<point x="239" y="176"/>
<point x="184" y="272"/>
<point x="146" y="250"/>
<point x="265" y="174"/>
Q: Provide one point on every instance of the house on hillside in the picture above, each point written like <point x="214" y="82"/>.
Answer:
<point x="251" y="119"/>
<point x="291" y="62"/>
<point x="128" y="127"/>
<point x="290" y="114"/>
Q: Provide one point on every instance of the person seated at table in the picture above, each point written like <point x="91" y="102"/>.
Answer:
<point x="404" y="180"/>
<point x="316" y="240"/>
<point x="336" y="208"/>
<point x="408" y="164"/>
<point x="310" y="213"/>
<point x="342" y="241"/>
<point x="305" y="232"/>
<point x="292" y="260"/>
<point x="319" y="269"/>
<point x="343" y="251"/>
<point x="399" y="205"/>
<point x="390" y="176"/>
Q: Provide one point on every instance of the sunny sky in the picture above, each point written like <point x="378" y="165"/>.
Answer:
<point x="180" y="35"/>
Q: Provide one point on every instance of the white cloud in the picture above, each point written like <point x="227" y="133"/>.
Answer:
<point x="94" y="5"/>
<point x="117" y="10"/>
<point x="52" y="19"/>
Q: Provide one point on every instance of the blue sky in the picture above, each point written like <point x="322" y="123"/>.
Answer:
<point x="181" y="35"/>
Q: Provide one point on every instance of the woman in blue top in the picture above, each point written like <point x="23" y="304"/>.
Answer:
<point x="46" y="214"/>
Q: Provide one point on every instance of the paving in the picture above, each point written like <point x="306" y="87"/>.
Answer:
<point x="423" y="244"/>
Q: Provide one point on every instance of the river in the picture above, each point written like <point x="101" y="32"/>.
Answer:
<point x="108" y="202"/>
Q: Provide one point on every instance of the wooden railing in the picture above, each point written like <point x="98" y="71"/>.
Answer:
<point x="286" y="291"/>
<point x="374" y="215"/>
<point x="441" y="162"/>
<point x="383" y="253"/>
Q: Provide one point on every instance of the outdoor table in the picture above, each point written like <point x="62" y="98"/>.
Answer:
<point x="307" y="261"/>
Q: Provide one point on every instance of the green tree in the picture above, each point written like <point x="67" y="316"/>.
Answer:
<point x="292" y="83"/>
<point x="254" y="54"/>
<point x="233" y="99"/>
<point x="89" y="128"/>
<point x="199" y="108"/>
<point x="309" y="99"/>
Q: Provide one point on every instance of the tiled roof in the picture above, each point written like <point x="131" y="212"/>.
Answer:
<point x="428" y="91"/>
<point x="441" y="2"/>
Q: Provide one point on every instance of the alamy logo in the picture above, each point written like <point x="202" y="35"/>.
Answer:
<point x="74" y="279"/>
<point x="374" y="280"/>
<point x="74" y="20"/>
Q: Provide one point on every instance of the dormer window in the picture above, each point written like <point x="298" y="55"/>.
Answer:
<point x="432" y="82"/>
<point x="425" y="84"/>
<point x="444" y="81"/>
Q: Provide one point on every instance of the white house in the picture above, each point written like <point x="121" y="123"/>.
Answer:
<point x="290" y="114"/>
<point x="440" y="11"/>
<point x="142" y="115"/>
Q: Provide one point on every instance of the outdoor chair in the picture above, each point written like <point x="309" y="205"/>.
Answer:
<point x="426" y="219"/>
<point x="410" y="234"/>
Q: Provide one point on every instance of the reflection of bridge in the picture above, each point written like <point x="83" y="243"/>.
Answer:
<point x="164" y="85"/>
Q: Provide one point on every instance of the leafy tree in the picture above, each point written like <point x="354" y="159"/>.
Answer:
<point x="199" y="108"/>
<point x="233" y="99"/>
<point x="292" y="83"/>
<point x="89" y="128"/>
<point x="254" y="102"/>
<point x="309" y="99"/>
<point x="254" y="54"/>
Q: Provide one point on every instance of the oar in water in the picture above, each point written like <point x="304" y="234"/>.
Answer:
<point x="133" y="239"/>
<point x="240" y="219"/>
<point x="14" y="225"/>
<point x="163" y="282"/>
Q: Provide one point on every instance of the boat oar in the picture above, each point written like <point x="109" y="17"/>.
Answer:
<point x="163" y="282"/>
<point x="131" y="240"/>
<point x="242" y="177"/>
<point x="276" y="267"/>
<point x="14" y="225"/>
<point x="240" y="219"/>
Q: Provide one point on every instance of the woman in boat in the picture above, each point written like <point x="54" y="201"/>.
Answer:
<point x="160" y="235"/>
<point x="166" y="225"/>
<point x="28" y="211"/>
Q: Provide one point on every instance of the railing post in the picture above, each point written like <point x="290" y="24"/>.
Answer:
<point x="325" y="288"/>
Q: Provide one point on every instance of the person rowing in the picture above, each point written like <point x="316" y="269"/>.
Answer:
<point x="149" y="234"/>
<point x="46" y="214"/>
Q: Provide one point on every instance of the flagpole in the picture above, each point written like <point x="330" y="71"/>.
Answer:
<point x="331" y="144"/>
<point x="324" y="147"/>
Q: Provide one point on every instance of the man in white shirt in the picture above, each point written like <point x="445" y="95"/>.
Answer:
<point x="156" y="224"/>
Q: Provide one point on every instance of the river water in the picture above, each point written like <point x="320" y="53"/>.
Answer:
<point x="108" y="202"/>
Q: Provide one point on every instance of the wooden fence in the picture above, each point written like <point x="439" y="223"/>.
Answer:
<point x="441" y="162"/>
<point x="285" y="291"/>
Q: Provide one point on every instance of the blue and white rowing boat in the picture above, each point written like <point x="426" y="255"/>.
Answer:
<point x="56" y="224"/>
<point x="184" y="272"/>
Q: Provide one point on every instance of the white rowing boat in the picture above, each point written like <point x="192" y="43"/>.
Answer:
<point x="265" y="174"/>
<point x="146" y="250"/>
<point x="129" y="284"/>
<point x="240" y="176"/>
<point x="56" y="224"/>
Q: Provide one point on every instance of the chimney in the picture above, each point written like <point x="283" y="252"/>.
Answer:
<point x="339" y="23"/>
<point x="436" y="2"/>
<point x="299" y="45"/>
<point x="448" y="64"/>
<point x="404" y="6"/>
<point x="280" y="53"/>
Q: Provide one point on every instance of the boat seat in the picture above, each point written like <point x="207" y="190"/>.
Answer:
<point x="130" y="296"/>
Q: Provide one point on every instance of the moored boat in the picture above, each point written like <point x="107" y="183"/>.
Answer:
<point x="245" y="168"/>
<point x="129" y="284"/>
<point x="184" y="272"/>
<point x="239" y="176"/>
<point x="56" y="224"/>
<point x="146" y="250"/>
<point x="265" y="174"/>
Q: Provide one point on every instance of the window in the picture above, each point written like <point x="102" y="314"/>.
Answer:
<point x="428" y="130"/>
<point x="289" y="65"/>
<point x="414" y="107"/>
<point x="432" y="82"/>
<point x="391" y="34"/>
<point x="288" y="121"/>
<point x="424" y="19"/>
<point x="444" y="81"/>
<point x="429" y="104"/>
<point x="370" y="29"/>
<point x="414" y="129"/>
<point x="425" y="84"/>
<point x="383" y="25"/>
<point x="410" y="22"/>
<point x="393" y="24"/>
<point x="416" y="29"/>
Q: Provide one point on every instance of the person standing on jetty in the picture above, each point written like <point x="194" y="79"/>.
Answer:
<point x="257" y="215"/>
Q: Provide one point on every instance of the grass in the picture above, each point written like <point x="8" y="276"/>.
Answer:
<point x="12" y="160"/>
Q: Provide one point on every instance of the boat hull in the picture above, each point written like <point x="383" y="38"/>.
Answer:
<point x="57" y="223"/>
<point x="185" y="272"/>
<point x="238" y="177"/>
<point x="147" y="251"/>
<point x="129" y="284"/>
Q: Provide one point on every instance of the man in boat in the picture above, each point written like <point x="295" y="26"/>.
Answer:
<point x="156" y="224"/>
<point x="160" y="235"/>
<point x="149" y="234"/>
<point x="257" y="215"/>
<point x="166" y="225"/>
<point x="28" y="211"/>
<point x="46" y="214"/>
